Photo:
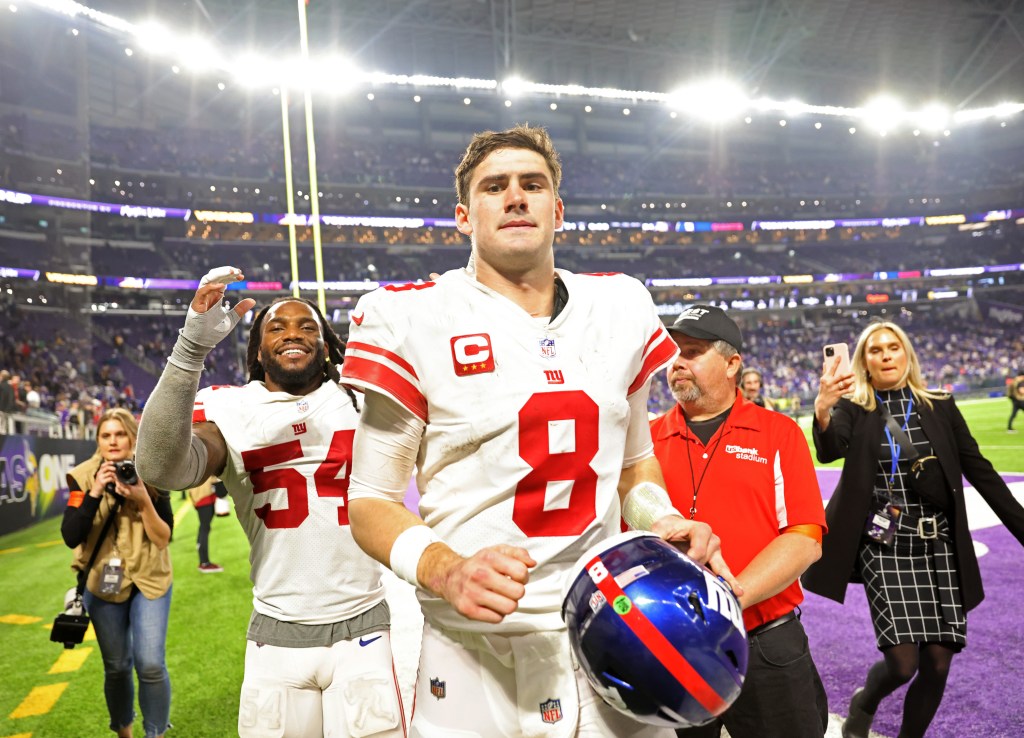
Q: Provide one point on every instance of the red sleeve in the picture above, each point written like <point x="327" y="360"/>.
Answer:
<point x="371" y="367"/>
<point x="658" y="352"/>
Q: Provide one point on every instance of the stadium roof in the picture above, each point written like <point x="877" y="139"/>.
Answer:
<point x="965" y="53"/>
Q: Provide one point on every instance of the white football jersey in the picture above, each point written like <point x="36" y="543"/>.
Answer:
<point x="525" y="420"/>
<point x="288" y="466"/>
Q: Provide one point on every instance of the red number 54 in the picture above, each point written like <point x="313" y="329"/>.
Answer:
<point x="326" y="479"/>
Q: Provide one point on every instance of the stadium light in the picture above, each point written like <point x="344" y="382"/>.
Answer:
<point x="513" y="86"/>
<point x="933" y="117"/>
<point x="1002" y="110"/>
<point x="200" y="55"/>
<point x="713" y="99"/>
<point x="793" y="108"/>
<point x="882" y="113"/>
<point x="252" y="71"/>
<point x="155" y="38"/>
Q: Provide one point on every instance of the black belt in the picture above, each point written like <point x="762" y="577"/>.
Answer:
<point x="781" y="620"/>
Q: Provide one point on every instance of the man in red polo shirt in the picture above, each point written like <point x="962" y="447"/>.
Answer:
<point x="748" y="473"/>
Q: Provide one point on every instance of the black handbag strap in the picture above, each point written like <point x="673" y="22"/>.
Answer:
<point x="84" y="574"/>
<point x="906" y="446"/>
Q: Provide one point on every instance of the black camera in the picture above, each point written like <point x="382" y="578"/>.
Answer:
<point x="69" y="627"/>
<point x="125" y="471"/>
<point x="829" y="351"/>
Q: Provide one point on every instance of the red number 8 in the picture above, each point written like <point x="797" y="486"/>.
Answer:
<point x="535" y="449"/>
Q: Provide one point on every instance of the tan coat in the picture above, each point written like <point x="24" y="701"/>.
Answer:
<point x="145" y="565"/>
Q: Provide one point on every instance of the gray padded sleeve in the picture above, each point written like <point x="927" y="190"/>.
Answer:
<point x="168" y="455"/>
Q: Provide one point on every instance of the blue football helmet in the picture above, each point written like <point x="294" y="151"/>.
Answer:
<point x="660" y="638"/>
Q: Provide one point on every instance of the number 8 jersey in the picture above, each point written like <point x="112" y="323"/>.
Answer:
<point x="526" y="420"/>
<point x="288" y="465"/>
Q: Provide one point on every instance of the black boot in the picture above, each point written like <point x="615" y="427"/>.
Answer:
<point x="858" y="724"/>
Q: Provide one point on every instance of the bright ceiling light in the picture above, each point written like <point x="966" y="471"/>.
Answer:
<point x="154" y="38"/>
<point x="335" y="74"/>
<point x="514" y="86"/>
<point x="712" y="99"/>
<point x="933" y="117"/>
<point x="794" y="107"/>
<point x="715" y="99"/>
<point x="253" y="71"/>
<point x="883" y="113"/>
<point x="198" y="54"/>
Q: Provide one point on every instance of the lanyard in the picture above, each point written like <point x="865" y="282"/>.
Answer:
<point x="697" y="484"/>
<point x="894" y="447"/>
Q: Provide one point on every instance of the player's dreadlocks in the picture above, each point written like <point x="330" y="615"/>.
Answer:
<point x="333" y="345"/>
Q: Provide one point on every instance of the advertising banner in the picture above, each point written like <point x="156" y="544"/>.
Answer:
<point x="1002" y="312"/>
<point x="33" y="483"/>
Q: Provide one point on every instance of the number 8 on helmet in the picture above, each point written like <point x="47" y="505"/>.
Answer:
<point x="660" y="638"/>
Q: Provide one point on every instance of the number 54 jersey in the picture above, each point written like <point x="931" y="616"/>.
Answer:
<point x="288" y="466"/>
<point x="526" y="419"/>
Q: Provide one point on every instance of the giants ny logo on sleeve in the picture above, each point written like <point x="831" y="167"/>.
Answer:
<point x="472" y="354"/>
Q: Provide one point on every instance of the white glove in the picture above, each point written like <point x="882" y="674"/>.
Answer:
<point x="203" y="331"/>
<point x="221" y="275"/>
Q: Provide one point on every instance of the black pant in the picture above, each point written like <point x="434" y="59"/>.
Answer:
<point x="782" y="696"/>
<point x="1018" y="405"/>
<point x="203" y="538"/>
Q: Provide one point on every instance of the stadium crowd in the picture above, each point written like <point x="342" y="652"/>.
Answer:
<point x="71" y="379"/>
<point x="119" y="368"/>
<point x="179" y="160"/>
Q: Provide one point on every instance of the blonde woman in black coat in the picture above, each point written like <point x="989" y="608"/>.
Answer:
<point x="909" y="545"/>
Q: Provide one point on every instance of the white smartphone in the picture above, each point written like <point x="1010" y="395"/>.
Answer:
<point x="843" y="352"/>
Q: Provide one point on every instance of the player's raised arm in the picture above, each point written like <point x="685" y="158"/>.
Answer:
<point x="486" y="586"/>
<point x="169" y="455"/>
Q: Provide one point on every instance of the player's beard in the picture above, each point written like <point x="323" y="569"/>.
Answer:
<point x="295" y="380"/>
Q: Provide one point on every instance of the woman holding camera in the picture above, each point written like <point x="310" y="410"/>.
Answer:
<point x="898" y="521"/>
<point x="128" y="588"/>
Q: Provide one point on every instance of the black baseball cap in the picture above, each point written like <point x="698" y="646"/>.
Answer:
<point x="708" y="323"/>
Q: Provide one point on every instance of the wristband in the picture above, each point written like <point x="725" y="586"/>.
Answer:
<point x="646" y="503"/>
<point x="407" y="550"/>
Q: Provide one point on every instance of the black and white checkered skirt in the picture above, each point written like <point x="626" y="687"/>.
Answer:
<point x="912" y="587"/>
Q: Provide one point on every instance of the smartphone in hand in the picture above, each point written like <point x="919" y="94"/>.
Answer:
<point x="841" y="350"/>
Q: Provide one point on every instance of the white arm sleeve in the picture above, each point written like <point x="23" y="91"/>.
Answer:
<point x="385" y="449"/>
<point x="638" y="437"/>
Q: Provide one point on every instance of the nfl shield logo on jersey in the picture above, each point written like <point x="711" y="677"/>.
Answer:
<point x="302" y="406"/>
<point x="551" y="711"/>
<point x="437" y="688"/>
<point x="547" y="348"/>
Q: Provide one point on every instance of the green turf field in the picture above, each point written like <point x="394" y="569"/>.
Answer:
<point x="206" y="636"/>
<point x="209" y="613"/>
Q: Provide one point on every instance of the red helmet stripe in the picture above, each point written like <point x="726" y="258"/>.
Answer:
<point x="661" y="647"/>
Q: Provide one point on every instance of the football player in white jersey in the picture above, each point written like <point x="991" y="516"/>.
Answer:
<point x="318" y="655"/>
<point x="519" y="392"/>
